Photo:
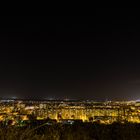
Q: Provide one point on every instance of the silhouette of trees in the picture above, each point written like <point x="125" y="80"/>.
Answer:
<point x="76" y="131"/>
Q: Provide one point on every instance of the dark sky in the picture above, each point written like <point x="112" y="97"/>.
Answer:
<point x="78" y="57"/>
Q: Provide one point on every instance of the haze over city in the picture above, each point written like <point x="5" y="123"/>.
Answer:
<point x="76" y="57"/>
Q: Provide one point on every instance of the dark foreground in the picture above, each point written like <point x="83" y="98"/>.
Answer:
<point x="76" y="131"/>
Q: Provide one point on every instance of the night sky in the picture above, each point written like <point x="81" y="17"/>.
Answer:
<point x="77" y="57"/>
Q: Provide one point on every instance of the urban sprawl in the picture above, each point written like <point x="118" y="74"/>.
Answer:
<point x="17" y="112"/>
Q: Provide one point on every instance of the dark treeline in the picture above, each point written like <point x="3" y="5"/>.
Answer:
<point x="76" y="131"/>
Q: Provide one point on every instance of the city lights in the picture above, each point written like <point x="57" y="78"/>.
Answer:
<point x="86" y="111"/>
